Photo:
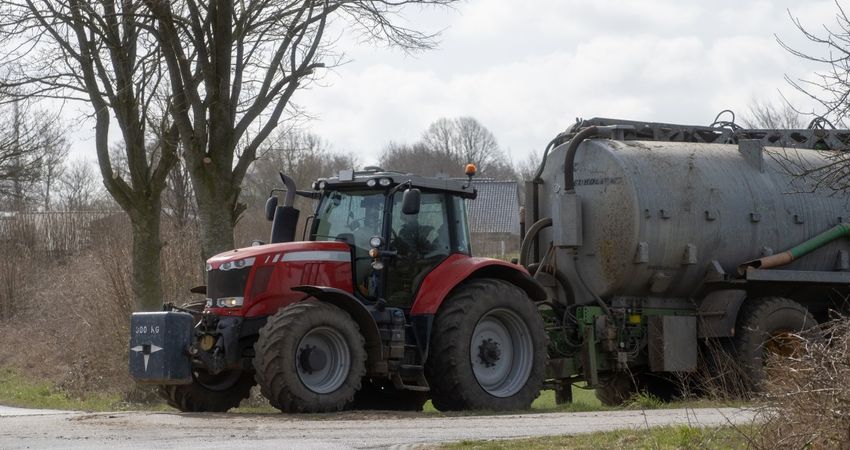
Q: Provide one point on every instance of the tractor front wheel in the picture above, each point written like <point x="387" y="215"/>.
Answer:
<point x="310" y="358"/>
<point x="488" y="349"/>
<point x="209" y="393"/>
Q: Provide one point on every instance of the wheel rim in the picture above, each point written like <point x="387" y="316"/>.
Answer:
<point x="501" y="352"/>
<point x="323" y="360"/>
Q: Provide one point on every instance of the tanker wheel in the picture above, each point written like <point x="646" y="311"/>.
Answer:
<point x="616" y="389"/>
<point x="209" y="393"/>
<point x="620" y="387"/>
<point x="774" y="325"/>
<point x="488" y="349"/>
<point x="310" y="358"/>
<point x="378" y="396"/>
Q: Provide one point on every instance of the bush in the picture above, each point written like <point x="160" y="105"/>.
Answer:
<point x="807" y="396"/>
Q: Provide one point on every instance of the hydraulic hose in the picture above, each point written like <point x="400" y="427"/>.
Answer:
<point x="530" y="238"/>
<point x="806" y="247"/>
<point x="569" y="160"/>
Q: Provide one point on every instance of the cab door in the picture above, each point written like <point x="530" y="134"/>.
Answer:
<point x="421" y="242"/>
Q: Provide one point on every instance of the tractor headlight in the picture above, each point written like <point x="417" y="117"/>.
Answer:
<point x="209" y="267"/>
<point x="322" y="185"/>
<point x="210" y="303"/>
<point x="375" y="241"/>
<point x="239" y="264"/>
<point x="371" y="182"/>
<point x="230" y="302"/>
<point x="385" y="182"/>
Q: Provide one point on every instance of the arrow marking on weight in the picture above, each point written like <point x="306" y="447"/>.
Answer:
<point x="146" y="351"/>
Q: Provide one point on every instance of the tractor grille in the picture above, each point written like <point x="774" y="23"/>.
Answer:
<point x="227" y="283"/>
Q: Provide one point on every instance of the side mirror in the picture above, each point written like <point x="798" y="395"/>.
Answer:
<point x="271" y="206"/>
<point x="410" y="202"/>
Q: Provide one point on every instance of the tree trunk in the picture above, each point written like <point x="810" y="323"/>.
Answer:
<point x="217" y="215"/>
<point x="147" y="248"/>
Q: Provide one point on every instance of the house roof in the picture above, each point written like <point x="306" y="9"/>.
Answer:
<point x="496" y="210"/>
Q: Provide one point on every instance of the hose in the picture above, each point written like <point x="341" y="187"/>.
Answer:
<point x="569" y="160"/>
<point x="539" y="172"/>
<point x="530" y="238"/>
<point x="798" y="251"/>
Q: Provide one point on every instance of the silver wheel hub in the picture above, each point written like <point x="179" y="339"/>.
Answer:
<point x="323" y="360"/>
<point x="501" y="352"/>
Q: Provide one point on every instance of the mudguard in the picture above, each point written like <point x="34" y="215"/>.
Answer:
<point x="458" y="268"/>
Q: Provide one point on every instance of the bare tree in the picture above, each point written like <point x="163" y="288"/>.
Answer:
<point x="52" y="171"/>
<point x="830" y="87"/>
<point x="301" y="155"/>
<point x="446" y="147"/>
<point x="775" y="117"/>
<point x="78" y="187"/>
<point x="233" y="69"/>
<point x="527" y="168"/>
<point x="104" y="54"/>
<point x="28" y="141"/>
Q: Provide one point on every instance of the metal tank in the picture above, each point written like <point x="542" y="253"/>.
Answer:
<point x="651" y="218"/>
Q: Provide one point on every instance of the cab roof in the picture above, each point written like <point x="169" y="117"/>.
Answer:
<point x="350" y="179"/>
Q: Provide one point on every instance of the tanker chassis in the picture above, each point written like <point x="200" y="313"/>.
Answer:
<point x="647" y="244"/>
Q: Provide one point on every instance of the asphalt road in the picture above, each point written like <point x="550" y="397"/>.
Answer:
<point x="20" y="428"/>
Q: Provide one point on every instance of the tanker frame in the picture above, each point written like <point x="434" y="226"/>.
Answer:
<point x="657" y="241"/>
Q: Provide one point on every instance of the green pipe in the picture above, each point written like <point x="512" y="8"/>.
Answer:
<point x="798" y="251"/>
<point x="842" y="229"/>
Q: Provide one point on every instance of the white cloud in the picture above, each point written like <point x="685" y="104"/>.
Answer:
<point x="527" y="69"/>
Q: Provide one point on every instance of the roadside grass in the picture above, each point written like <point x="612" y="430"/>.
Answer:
<point x="671" y="437"/>
<point x="19" y="391"/>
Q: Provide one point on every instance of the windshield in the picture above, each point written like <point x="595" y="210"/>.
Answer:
<point x="351" y="217"/>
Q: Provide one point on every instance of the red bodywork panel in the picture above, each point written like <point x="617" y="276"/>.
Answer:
<point x="278" y="267"/>
<point x="440" y="281"/>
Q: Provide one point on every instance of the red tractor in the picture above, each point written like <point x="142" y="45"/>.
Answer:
<point x="382" y="307"/>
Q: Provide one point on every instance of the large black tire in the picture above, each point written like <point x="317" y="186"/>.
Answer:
<point x="384" y="396"/>
<point x="298" y="336"/>
<point x="622" y="386"/>
<point x="769" y="324"/>
<point x="210" y="393"/>
<point x="505" y="370"/>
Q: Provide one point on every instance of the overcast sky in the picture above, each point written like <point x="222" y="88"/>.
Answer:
<point x="526" y="70"/>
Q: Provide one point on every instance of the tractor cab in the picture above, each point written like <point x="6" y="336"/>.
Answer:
<point x="398" y="226"/>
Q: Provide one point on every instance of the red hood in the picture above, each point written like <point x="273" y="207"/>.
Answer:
<point x="274" y="249"/>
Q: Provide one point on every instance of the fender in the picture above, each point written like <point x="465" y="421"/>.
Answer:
<point x="358" y="312"/>
<point x="458" y="268"/>
<point x="718" y="313"/>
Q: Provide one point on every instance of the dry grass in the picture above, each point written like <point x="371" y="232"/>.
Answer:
<point x="66" y="320"/>
<point x="807" y="396"/>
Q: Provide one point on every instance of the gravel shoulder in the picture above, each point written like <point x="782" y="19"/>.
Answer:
<point x="149" y="430"/>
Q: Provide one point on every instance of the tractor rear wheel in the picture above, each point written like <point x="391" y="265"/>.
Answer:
<point x="310" y="358"/>
<point x="488" y="349"/>
<point x="209" y="393"/>
<point x="767" y="325"/>
<point x="377" y="396"/>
